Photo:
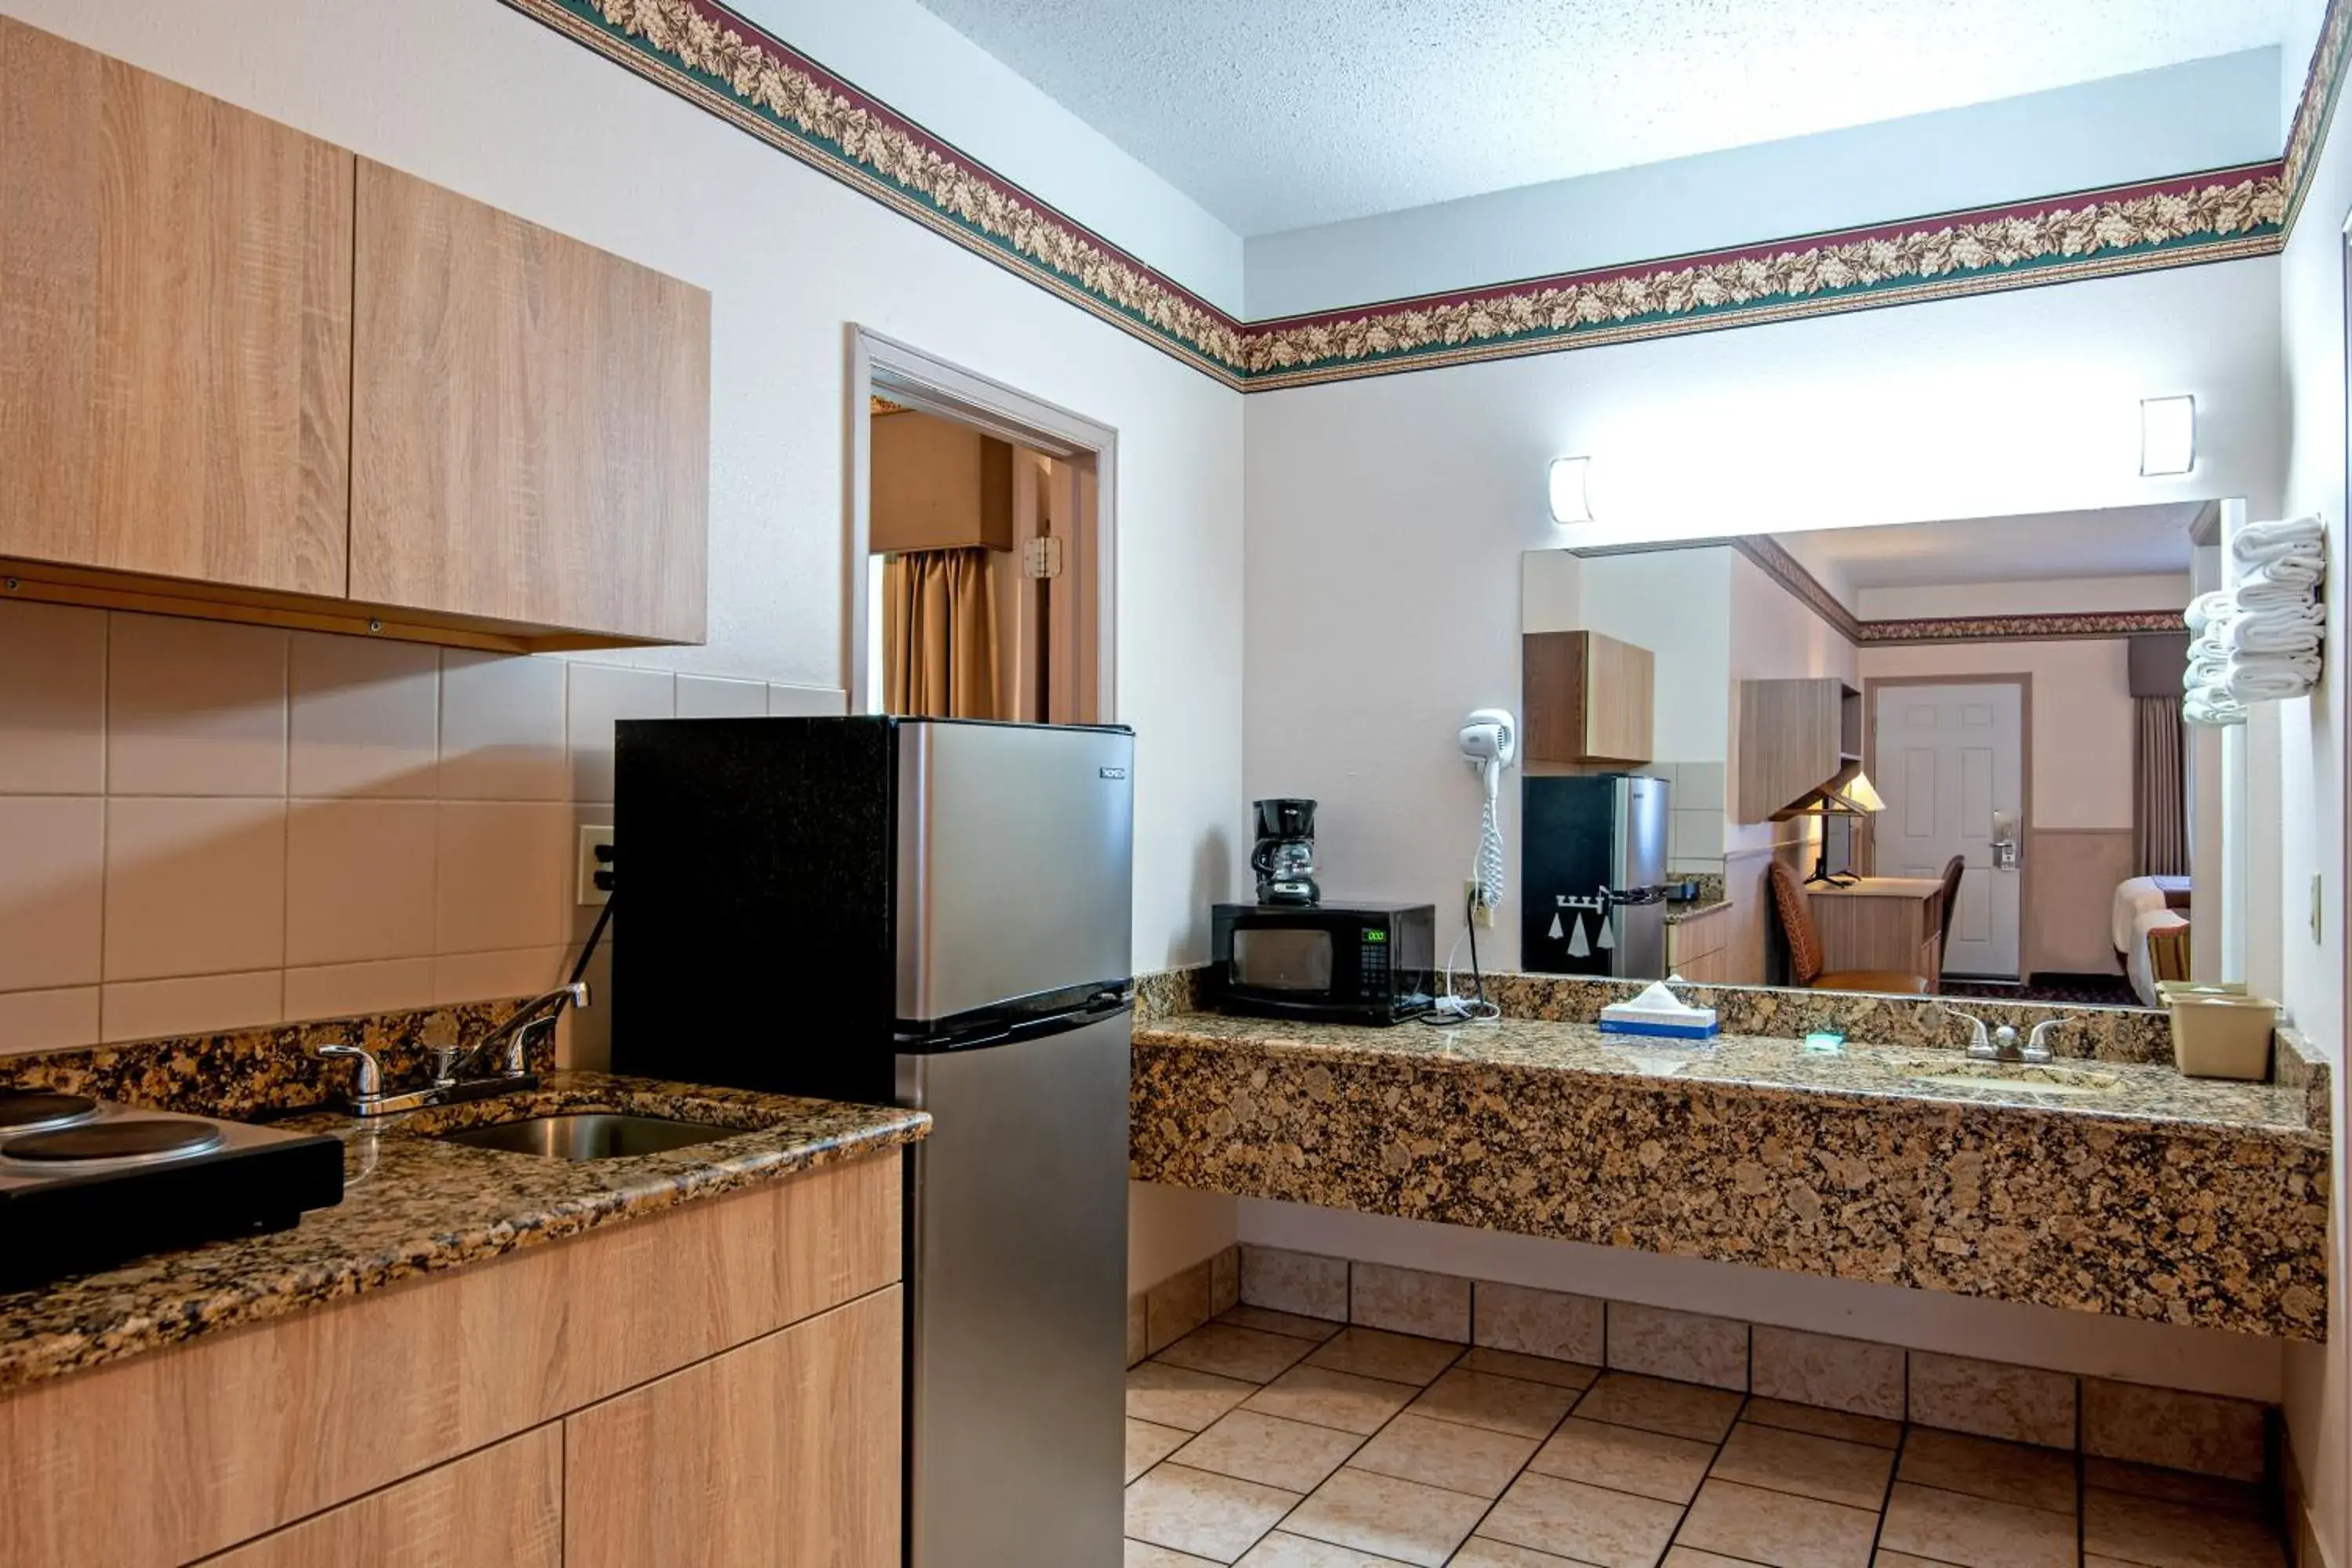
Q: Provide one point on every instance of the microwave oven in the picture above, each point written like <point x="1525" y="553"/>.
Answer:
<point x="1342" y="963"/>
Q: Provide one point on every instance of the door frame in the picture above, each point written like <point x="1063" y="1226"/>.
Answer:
<point x="2023" y="681"/>
<point x="882" y="366"/>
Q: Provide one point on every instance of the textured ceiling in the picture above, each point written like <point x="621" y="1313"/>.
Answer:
<point x="1277" y="114"/>
<point x="2118" y="542"/>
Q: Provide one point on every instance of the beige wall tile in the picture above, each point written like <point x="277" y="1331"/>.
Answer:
<point x="1225" y="1281"/>
<point x="195" y="708"/>
<point x="54" y="850"/>
<point x="359" y="880"/>
<point x="52" y="700"/>
<point x="600" y="696"/>
<point x="714" y="697"/>
<point x="1176" y="1306"/>
<point x="1538" y="1323"/>
<point x="342" y="990"/>
<point x="496" y="976"/>
<point x="147" y="1009"/>
<point x="786" y="700"/>
<point x="501" y="727"/>
<point x="2195" y="1432"/>
<point x="1821" y="1370"/>
<point x="1992" y="1399"/>
<point x="194" y="886"/>
<point x="48" y="1020"/>
<point x="363" y="716"/>
<point x="1685" y="1346"/>
<point x="503" y="875"/>
<point x="1299" y="1282"/>
<point x="1138" y="1334"/>
<point x="1410" y="1301"/>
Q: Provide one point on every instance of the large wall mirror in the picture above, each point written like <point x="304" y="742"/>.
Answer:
<point x="1946" y="757"/>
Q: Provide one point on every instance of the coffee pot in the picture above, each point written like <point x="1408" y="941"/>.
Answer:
<point x="1284" y="855"/>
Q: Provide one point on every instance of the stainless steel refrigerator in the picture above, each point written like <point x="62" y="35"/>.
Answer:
<point x="935" y="913"/>
<point x="1592" y="874"/>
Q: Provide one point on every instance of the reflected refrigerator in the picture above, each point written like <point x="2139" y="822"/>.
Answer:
<point x="934" y="913"/>
<point x="1593" y="875"/>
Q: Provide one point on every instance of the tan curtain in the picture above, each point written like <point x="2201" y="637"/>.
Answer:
<point x="2159" y="795"/>
<point x="939" y="634"/>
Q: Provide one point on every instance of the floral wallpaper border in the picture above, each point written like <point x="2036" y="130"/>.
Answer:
<point x="730" y="68"/>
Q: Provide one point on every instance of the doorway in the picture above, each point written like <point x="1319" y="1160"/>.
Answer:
<point x="979" y="545"/>
<point x="1950" y="758"/>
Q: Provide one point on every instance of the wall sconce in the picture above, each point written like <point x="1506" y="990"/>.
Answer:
<point x="2167" y="436"/>
<point x="1571" y="502"/>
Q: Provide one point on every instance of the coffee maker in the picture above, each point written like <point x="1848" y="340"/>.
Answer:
<point x="1284" y="855"/>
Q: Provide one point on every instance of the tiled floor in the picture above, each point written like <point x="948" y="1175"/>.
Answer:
<point x="1275" y="1441"/>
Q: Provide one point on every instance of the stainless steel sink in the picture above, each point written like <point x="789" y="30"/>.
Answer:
<point x="590" y="1135"/>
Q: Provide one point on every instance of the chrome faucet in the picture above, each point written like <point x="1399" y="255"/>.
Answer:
<point x="530" y="1024"/>
<point x="2000" y="1044"/>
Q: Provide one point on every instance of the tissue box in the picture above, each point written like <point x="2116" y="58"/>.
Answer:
<point x="1680" y="1023"/>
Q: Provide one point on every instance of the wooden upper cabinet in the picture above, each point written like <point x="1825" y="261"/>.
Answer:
<point x="531" y="422"/>
<point x="175" y="287"/>
<point x="1589" y="698"/>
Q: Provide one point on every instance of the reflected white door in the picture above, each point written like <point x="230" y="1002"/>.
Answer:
<point x="1950" y="763"/>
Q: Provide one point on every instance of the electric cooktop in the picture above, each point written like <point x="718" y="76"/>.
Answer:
<point x="85" y="1185"/>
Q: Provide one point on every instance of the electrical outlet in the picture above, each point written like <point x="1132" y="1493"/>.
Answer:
<point x="1481" y="915"/>
<point x="593" y="838"/>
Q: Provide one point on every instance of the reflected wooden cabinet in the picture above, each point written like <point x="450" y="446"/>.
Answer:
<point x="1589" y="698"/>
<point x="175" y="286"/>
<point x="247" y="375"/>
<point x="530" y="421"/>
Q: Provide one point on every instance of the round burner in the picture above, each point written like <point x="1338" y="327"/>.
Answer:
<point x="126" y="1139"/>
<point x="35" y="1110"/>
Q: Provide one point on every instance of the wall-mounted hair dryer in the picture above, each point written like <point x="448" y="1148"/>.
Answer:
<point x="1490" y="742"/>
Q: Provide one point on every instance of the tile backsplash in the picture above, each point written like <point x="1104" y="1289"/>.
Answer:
<point x="209" y="827"/>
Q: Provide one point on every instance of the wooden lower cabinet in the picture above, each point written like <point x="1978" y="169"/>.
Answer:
<point x="500" y="1508"/>
<point x="807" y="1474"/>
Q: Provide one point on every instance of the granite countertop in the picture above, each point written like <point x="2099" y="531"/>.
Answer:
<point x="1696" y="910"/>
<point x="413" y="1206"/>
<point x="2104" y="1186"/>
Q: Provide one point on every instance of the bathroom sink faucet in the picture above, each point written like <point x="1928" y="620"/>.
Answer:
<point x="2000" y="1044"/>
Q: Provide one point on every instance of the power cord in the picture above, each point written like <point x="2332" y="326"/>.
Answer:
<point x="1450" y="1011"/>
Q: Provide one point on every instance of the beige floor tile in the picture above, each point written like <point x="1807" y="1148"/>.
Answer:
<point x="1534" y="1368"/>
<point x="2174" y="1535"/>
<point x="1654" y="1405"/>
<point x="1143" y="1555"/>
<point x="1179" y="1397"/>
<point x="1984" y="1466"/>
<point x="1823" y="1423"/>
<point x="1886" y="1559"/>
<point x="1217" y="1517"/>
<point x="1504" y="1404"/>
<point x="1692" y="1557"/>
<point x="1777" y="1529"/>
<point x="1272" y="1322"/>
<point x="1148" y="1443"/>
<point x="1375" y="1352"/>
<point x="1447" y="1454"/>
<point x="1974" y="1532"/>
<point x="1826" y="1468"/>
<point x="1269" y="1451"/>
<point x="2174" y="1485"/>
<point x="1625" y="1459"/>
<point x="1387" y="1516"/>
<point x="1284" y="1550"/>
<point x="1582" y="1523"/>
<point x="1326" y="1397"/>
<point x="1480" y="1552"/>
<point x="1250" y="1354"/>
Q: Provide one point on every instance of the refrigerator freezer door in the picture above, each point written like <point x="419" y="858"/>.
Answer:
<point x="1016" y="847"/>
<point x="1016" y="1329"/>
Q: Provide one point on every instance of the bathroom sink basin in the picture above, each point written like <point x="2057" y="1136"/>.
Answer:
<point x="2027" y="1077"/>
<point x="590" y="1135"/>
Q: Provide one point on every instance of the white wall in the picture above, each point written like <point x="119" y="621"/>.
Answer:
<point x="1773" y="638"/>
<point x="2206" y="114"/>
<point x="2060" y="595"/>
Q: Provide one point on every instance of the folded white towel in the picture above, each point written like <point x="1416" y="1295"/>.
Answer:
<point x="2216" y="713"/>
<point x="2274" y="633"/>
<point x="2305" y="569"/>
<point x="2269" y="595"/>
<point x="2272" y="679"/>
<point x="2265" y="541"/>
<point x="2205" y="609"/>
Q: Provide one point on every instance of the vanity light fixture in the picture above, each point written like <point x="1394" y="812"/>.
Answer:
<point x="1571" y="502"/>
<point x="2167" y="436"/>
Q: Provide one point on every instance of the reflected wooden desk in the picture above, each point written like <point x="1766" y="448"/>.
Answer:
<point x="1880" y="922"/>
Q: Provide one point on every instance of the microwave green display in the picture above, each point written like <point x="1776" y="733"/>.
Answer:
<point x="1376" y="936"/>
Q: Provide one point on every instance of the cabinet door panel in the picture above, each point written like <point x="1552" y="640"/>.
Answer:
<point x="531" y="422"/>
<point x="175" y="330"/>
<point x="499" y="1508"/>
<point x="782" y="1454"/>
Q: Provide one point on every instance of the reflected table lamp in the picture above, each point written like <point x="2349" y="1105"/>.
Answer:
<point x="1850" y="796"/>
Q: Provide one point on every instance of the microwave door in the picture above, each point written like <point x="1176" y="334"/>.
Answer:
<point x="1283" y="959"/>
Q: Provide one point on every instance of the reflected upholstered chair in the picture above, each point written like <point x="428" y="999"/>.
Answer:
<point x="1805" y="947"/>
<point x="1953" y="870"/>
